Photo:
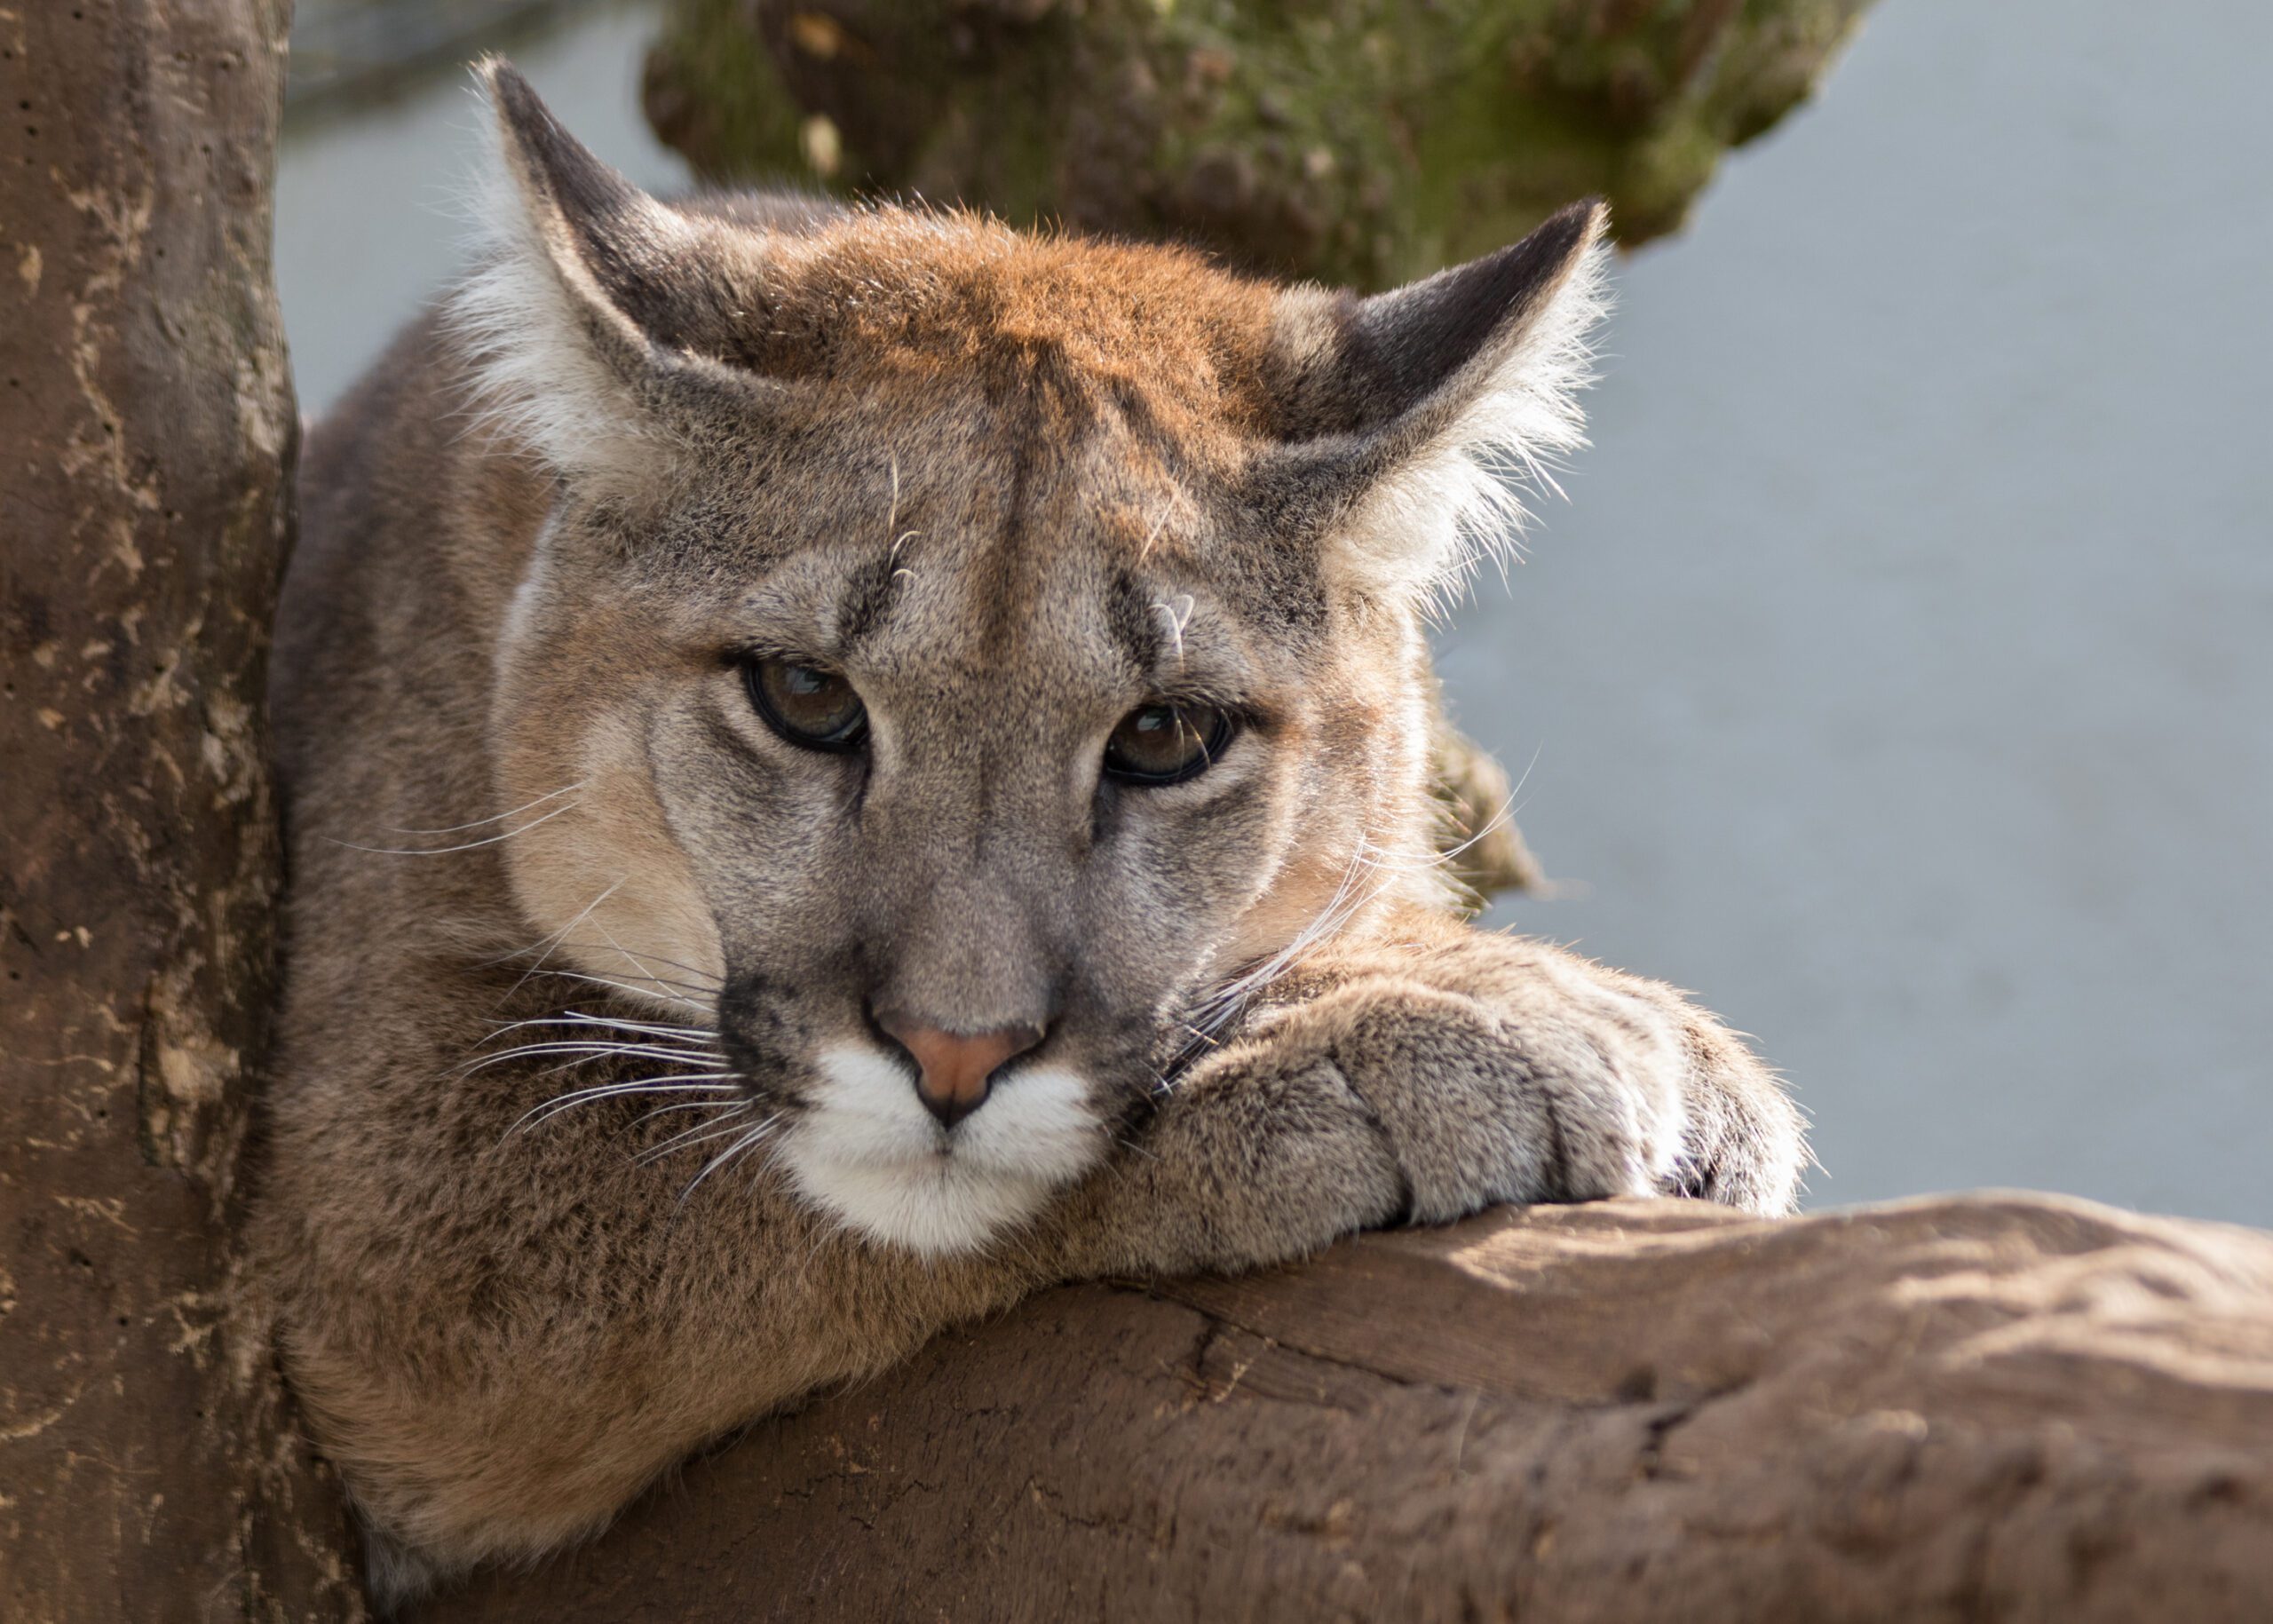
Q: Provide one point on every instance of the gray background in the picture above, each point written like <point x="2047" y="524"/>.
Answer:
<point x="1899" y="675"/>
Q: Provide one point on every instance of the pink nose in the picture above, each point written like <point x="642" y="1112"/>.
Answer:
<point x="956" y="1071"/>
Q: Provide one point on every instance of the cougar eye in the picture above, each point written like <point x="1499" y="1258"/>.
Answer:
<point x="1166" y="744"/>
<point x="807" y="705"/>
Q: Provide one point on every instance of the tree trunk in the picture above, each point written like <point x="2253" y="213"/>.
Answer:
<point x="147" y="1470"/>
<point x="1998" y="1408"/>
<point x="1361" y="142"/>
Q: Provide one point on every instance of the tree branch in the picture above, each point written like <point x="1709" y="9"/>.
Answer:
<point x="1991" y="1409"/>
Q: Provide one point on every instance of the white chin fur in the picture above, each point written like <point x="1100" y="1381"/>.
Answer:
<point x="869" y="1153"/>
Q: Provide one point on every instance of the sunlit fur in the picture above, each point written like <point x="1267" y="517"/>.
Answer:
<point x="1460" y="498"/>
<point x="586" y="1142"/>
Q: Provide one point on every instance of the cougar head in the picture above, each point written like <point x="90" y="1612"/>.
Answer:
<point x="979" y="656"/>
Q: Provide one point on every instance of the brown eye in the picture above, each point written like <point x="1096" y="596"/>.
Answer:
<point x="807" y="705"/>
<point x="1166" y="744"/>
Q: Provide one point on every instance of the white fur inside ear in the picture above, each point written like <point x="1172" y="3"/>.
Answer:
<point x="1420" y="532"/>
<point x="535" y="332"/>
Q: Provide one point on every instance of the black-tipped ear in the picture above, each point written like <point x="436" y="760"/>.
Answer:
<point x="1354" y="364"/>
<point x="642" y="257"/>
<point x="586" y="193"/>
<point x="1410" y="419"/>
<point x="600" y="323"/>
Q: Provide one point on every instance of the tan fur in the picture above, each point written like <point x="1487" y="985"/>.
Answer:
<point x="1013" y="488"/>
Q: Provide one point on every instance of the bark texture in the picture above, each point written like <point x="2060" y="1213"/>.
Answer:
<point x="147" y="426"/>
<point x="1357" y="141"/>
<point x="1998" y="1408"/>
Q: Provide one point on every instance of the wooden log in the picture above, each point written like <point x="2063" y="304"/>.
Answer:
<point x="2004" y="1407"/>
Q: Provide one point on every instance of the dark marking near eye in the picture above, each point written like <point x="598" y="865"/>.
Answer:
<point x="869" y="597"/>
<point x="1135" y="626"/>
<point x="733" y="749"/>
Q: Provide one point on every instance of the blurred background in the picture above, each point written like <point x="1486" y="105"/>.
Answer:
<point x="1899" y="673"/>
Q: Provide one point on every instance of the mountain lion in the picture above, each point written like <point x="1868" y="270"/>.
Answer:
<point x="848" y="763"/>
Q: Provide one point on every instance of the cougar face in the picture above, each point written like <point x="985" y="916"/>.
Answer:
<point x="981" y="856"/>
<point x="942" y="641"/>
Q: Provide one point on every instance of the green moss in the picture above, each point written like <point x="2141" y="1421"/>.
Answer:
<point x="1362" y="141"/>
<point x="712" y="88"/>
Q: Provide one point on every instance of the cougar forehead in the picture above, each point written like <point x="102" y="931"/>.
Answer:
<point x="880" y="297"/>
<point x="954" y="413"/>
<point x="967" y="436"/>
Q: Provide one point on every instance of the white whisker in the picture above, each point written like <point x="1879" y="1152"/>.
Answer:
<point x="691" y="1105"/>
<point x="708" y="982"/>
<point x="1159" y="523"/>
<point x="596" y="1051"/>
<point x="551" y="943"/>
<point x="1452" y="855"/>
<point x="701" y="1133"/>
<point x="1177" y="614"/>
<point x="460" y="828"/>
<point x="550" y="1108"/>
<point x="470" y="846"/>
<point x="753" y="1136"/>
<point x="644" y="972"/>
<point x="1211" y="1014"/>
<point x="626" y="987"/>
<point x="579" y="1018"/>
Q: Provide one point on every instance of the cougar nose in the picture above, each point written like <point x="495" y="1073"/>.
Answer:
<point x="956" y="1071"/>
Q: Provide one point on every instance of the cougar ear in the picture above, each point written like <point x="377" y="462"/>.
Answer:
<point x="1413" y="421"/>
<point x="595" y="308"/>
